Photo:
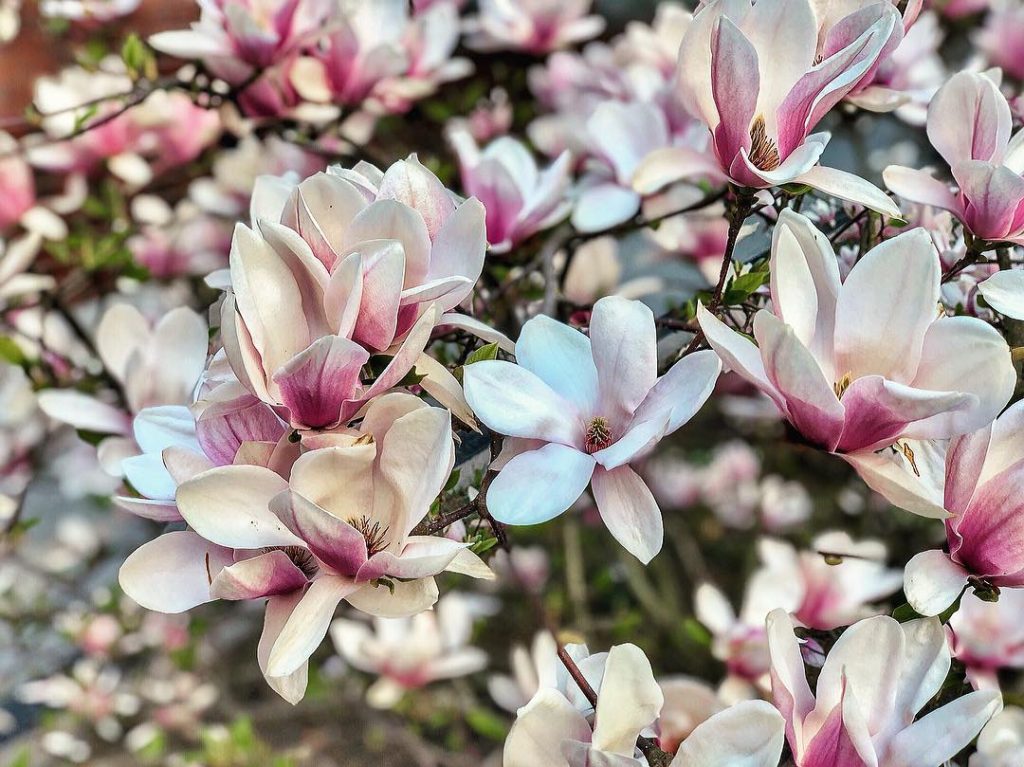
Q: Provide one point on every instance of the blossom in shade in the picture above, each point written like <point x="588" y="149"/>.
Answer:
<point x="579" y="410"/>
<point x="818" y="357"/>
<point x="989" y="636"/>
<point x="969" y="124"/>
<point x="875" y="680"/>
<point x="532" y="26"/>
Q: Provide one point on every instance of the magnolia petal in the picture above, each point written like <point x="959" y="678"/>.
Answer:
<point x="540" y="728"/>
<point x="892" y="476"/>
<point x="945" y="732"/>
<point x="307" y="625"/>
<point x="538" y="485"/>
<point x="748" y="734"/>
<point x="263" y="575"/>
<point x="172" y="573"/>
<point x="1004" y="292"/>
<point x="932" y="582"/>
<point x="624" y="342"/>
<point x="440" y="384"/>
<point x="920" y="187"/>
<point x="630" y="700"/>
<point x="849" y="187"/>
<point x="84" y="412"/>
<point x="629" y="511"/>
<point x="399" y="600"/>
<point x="291" y="687"/>
<point x="562" y="358"/>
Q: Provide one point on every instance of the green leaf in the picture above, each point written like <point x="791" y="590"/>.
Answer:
<point x="138" y="58"/>
<point x="486" y="723"/>
<point x="905" y="613"/>
<point x="488" y="352"/>
<point x="743" y="286"/>
<point x="696" y="632"/>
<point x="10" y="351"/>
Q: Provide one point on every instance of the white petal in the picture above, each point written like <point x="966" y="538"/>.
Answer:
<point x="172" y="573"/>
<point x="629" y="511"/>
<point x="538" y="485"/>
<point x="1004" y="292"/>
<point x="932" y="582"/>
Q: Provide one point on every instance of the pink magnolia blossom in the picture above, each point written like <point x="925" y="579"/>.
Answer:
<point x="533" y="26"/>
<point x="519" y="198"/>
<point x="362" y="262"/>
<point x="818" y="357"/>
<point x="759" y="78"/>
<point x="1001" y="40"/>
<point x="532" y="669"/>
<point x="969" y="124"/>
<point x="989" y="636"/>
<point x="412" y="652"/>
<point x="689" y="703"/>
<point x="875" y="680"/>
<point x="981" y="495"/>
<point x="89" y="11"/>
<point x="1001" y="743"/>
<point x="580" y="410"/>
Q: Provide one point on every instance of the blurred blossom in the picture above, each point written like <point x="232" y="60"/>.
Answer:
<point x="989" y="636"/>
<point x="1001" y="39"/>
<point x="88" y="10"/>
<point x="1001" y="743"/>
<point x="528" y="566"/>
<point x="532" y="669"/>
<point x="532" y="26"/>
<point x="490" y="118"/>
<point x="688" y="703"/>
<point x="409" y="653"/>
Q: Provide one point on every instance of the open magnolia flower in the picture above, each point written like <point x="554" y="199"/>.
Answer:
<point x="758" y="76"/>
<point x="983" y="474"/>
<point x="818" y="355"/>
<point x="347" y="264"/>
<point x="969" y="124"/>
<point x="533" y="26"/>
<point x="339" y="528"/>
<point x="579" y="410"/>
<point x="875" y="680"/>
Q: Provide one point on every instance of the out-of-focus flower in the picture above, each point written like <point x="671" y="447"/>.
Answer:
<point x="983" y="472"/>
<point x="490" y="118"/>
<point x="876" y="678"/>
<point x="88" y="10"/>
<point x="361" y="262"/>
<point x="819" y="360"/>
<point x="533" y="26"/>
<point x="526" y="566"/>
<point x="520" y="199"/>
<point x="596" y="271"/>
<point x="1001" y="743"/>
<point x="409" y="653"/>
<point x="579" y="411"/>
<point x="1001" y="39"/>
<point x="969" y="124"/>
<point x="688" y="703"/>
<point x="532" y="670"/>
<point x="909" y="78"/>
<point x="988" y="636"/>
<point x="178" y="241"/>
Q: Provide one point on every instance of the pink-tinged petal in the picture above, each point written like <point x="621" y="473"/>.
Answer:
<point x="441" y="291"/>
<point x="833" y="743"/>
<point x="967" y="355"/>
<point x="307" y="624"/>
<point x="383" y="263"/>
<point x="562" y="358"/>
<point x="630" y="700"/>
<point x="261" y="576"/>
<point x="738" y="353"/>
<point x="965" y="461"/>
<point x="242" y="355"/>
<point x="421" y="557"/>
<point x="266" y="295"/>
<point x="945" y="732"/>
<point x="735" y="82"/>
<point x="919" y="186"/>
<point x="402" y="599"/>
<point x="538" y="485"/>
<point x="603" y="206"/>
<point x="693" y="70"/>
<point x="785" y="35"/>
<point x="992" y="198"/>
<point x="671" y="164"/>
<point x="623" y="134"/>
<point x="224" y="426"/>
<point x="811" y="401"/>
<point x="991" y="529"/>
<point x="629" y="511"/>
<point x="624" y="343"/>
<point x="805" y="284"/>
<point x="408" y="182"/>
<point x="513" y="401"/>
<point x="121" y="333"/>
<point x="343" y="297"/>
<point x="230" y="505"/>
<point x="315" y="384"/>
<point x="750" y="733"/>
<point x="84" y="412"/>
<point x="146" y="508"/>
<point x="540" y="728"/>
<point x="279" y="608"/>
<point x="1004" y="292"/>
<point x="440" y="384"/>
<point x="891" y="475"/>
<point x="416" y="458"/>
<point x="493" y="184"/>
<point x="1007" y="445"/>
<point x="932" y="582"/>
<point x="878" y="412"/>
<point x="891" y="293"/>
<point x="969" y="119"/>
<point x="674" y="400"/>
<point x="790" y="692"/>
<point x="459" y="249"/>
<point x="337" y="479"/>
<point x="390" y="220"/>
<point x="801" y="160"/>
<point x="172" y="573"/>
<point x="926" y="662"/>
<point x="849" y="187"/>
<point x="334" y="541"/>
<point x="324" y="206"/>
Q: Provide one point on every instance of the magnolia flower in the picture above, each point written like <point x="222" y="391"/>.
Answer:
<point x="875" y="680"/>
<point x="688" y="703"/>
<point x="532" y="670"/>
<point x="985" y="162"/>
<point x="760" y="79"/>
<point x="817" y="594"/>
<point x="550" y="731"/>
<point x="989" y="636"/>
<point x="1002" y="38"/>
<point x="409" y="653"/>
<point x="18" y="189"/>
<point x="818" y="356"/>
<point x="533" y="26"/>
<point x="339" y="528"/>
<point x="88" y="10"/>
<point x="580" y="410"/>
<point x="361" y="262"/>
<point x="520" y="199"/>
<point x="982" y="481"/>
<point x="1001" y="743"/>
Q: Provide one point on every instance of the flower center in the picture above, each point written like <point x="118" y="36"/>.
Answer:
<point x="840" y="386"/>
<point x="300" y="557"/>
<point x="764" y="152"/>
<point x="374" y="533"/>
<point x="598" y="436"/>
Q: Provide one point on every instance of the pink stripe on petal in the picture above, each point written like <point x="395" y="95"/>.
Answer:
<point x="316" y="383"/>
<point x="261" y="576"/>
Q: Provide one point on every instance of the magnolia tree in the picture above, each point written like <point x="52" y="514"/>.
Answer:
<point x="425" y="339"/>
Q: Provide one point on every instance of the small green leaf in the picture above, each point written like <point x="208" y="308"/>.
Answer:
<point x="486" y="723"/>
<point x="488" y="352"/>
<point x="10" y="351"/>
